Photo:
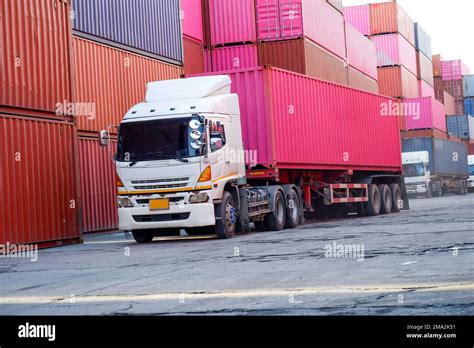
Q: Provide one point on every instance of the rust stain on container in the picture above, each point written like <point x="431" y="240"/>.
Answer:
<point x="304" y="57"/>
<point x="40" y="200"/>
<point x="110" y="81"/>
<point x="193" y="56"/>
<point x="35" y="54"/>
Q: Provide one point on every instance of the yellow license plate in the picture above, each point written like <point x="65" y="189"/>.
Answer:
<point x="159" y="204"/>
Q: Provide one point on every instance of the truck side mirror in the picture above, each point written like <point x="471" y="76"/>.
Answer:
<point x="103" y="138"/>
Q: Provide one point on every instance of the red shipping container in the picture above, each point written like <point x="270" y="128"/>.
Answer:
<point x="358" y="17"/>
<point x="390" y="18"/>
<point x="361" y="81"/>
<point x="361" y="52"/>
<point x="287" y="114"/>
<point x="98" y="187"/>
<point x="397" y="82"/>
<point x="394" y="49"/>
<point x="35" y="54"/>
<point x="424" y="113"/>
<point x="38" y="171"/>
<point x="425" y="90"/>
<point x="455" y="88"/>
<point x="459" y="105"/>
<point x="295" y="19"/>
<point x="232" y="21"/>
<point x="438" y="88"/>
<point x="453" y="70"/>
<point x="191" y="19"/>
<point x="471" y="148"/>
<point x="436" y="59"/>
<point x="110" y="81"/>
<point x="234" y="57"/>
<point x="193" y="51"/>
<point x="424" y="68"/>
<point x="449" y="104"/>
<point x="304" y="57"/>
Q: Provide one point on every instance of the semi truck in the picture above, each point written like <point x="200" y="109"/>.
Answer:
<point x="214" y="154"/>
<point x="470" y="182"/>
<point x="435" y="166"/>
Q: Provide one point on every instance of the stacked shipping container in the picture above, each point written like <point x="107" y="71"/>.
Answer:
<point x="193" y="36"/>
<point x="452" y="73"/>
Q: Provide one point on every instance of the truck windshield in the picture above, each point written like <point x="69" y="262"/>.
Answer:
<point x="471" y="170"/>
<point x="157" y="140"/>
<point x="414" y="169"/>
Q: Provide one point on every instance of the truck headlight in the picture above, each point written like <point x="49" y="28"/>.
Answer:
<point x="201" y="197"/>
<point x="124" y="202"/>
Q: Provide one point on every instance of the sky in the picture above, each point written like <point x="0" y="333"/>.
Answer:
<point x="449" y="23"/>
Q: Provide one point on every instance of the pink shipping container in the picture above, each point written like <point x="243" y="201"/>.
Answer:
<point x="232" y="21"/>
<point x="234" y="57"/>
<point x="424" y="113"/>
<point x="359" y="18"/>
<point x="449" y="104"/>
<point x="452" y="70"/>
<point x="98" y="187"/>
<point x="292" y="19"/>
<point x="191" y="19"/>
<point x="361" y="52"/>
<point x="394" y="49"/>
<point x="425" y="90"/>
<point x="291" y="120"/>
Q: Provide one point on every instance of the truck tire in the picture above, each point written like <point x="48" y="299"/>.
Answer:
<point x="275" y="221"/>
<point x="260" y="226"/>
<point x="143" y="236"/>
<point x="293" y="211"/>
<point x="396" y="197"/>
<point x="227" y="218"/>
<point x="200" y="231"/>
<point x="386" y="199"/>
<point x="373" y="206"/>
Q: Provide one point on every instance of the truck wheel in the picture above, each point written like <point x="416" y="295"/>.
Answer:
<point x="396" y="198"/>
<point x="276" y="221"/>
<point x="292" y="210"/>
<point x="200" y="231"/>
<point x="373" y="206"/>
<point x="386" y="199"/>
<point x="143" y="236"/>
<point x="260" y="226"/>
<point x="227" y="218"/>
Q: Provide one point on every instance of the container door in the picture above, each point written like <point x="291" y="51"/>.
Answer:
<point x="268" y="20"/>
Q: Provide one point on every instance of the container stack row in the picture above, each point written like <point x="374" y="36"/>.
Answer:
<point x="193" y="36"/>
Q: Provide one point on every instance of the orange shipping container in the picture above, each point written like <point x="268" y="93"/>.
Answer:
<point x="436" y="60"/>
<point x="193" y="51"/>
<point x="305" y="57"/>
<point x="361" y="81"/>
<point x="35" y="54"/>
<point x="397" y="82"/>
<point x="390" y="18"/>
<point x="110" y="81"/>
<point x="424" y="68"/>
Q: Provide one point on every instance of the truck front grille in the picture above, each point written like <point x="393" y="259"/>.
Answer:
<point x="161" y="184"/>
<point x="161" y="217"/>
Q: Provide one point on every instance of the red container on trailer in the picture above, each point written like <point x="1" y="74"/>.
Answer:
<point x="39" y="176"/>
<point x="394" y="49"/>
<point x="113" y="81"/>
<point x="294" y="121"/>
<point x="397" y="82"/>
<point x="361" y="52"/>
<point x="389" y="18"/>
<point x="98" y="187"/>
<point x="234" y="57"/>
<point x="193" y="51"/>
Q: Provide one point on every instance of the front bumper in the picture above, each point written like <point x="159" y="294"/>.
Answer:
<point x="416" y="189"/>
<point x="178" y="216"/>
<point x="470" y="184"/>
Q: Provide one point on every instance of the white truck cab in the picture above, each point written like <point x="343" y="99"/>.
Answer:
<point x="416" y="168"/>
<point x="470" y="182"/>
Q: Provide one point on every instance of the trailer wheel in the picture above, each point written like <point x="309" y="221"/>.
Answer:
<point x="386" y="199"/>
<point x="396" y="198"/>
<point x="276" y="221"/>
<point x="292" y="210"/>
<point x="143" y="236"/>
<point x="260" y="226"/>
<point x="227" y="218"/>
<point x="373" y="206"/>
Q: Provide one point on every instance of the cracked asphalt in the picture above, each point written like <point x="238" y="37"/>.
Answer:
<point x="418" y="262"/>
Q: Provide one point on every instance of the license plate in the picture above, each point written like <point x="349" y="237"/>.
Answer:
<point x="159" y="204"/>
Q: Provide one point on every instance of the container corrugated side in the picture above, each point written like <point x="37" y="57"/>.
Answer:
<point x="35" y="54"/>
<point x="422" y="41"/>
<point x="425" y="90"/>
<point x="337" y="4"/>
<point x="461" y="126"/>
<point x="394" y="49"/>
<point x="232" y="21"/>
<point x="191" y="19"/>
<point x="98" y="188"/>
<point x="234" y="57"/>
<point x="111" y="81"/>
<point x="436" y="59"/>
<point x="397" y="82"/>
<point x="447" y="157"/>
<point x="468" y="85"/>
<point x="424" y="113"/>
<point x="361" y="52"/>
<point x="469" y="106"/>
<point x="424" y="68"/>
<point x="455" y="88"/>
<point x="38" y="172"/>
<point x="390" y="18"/>
<point x="439" y="90"/>
<point x="449" y="104"/>
<point x="361" y="81"/>
<point x="148" y="26"/>
<point x="358" y="17"/>
<point x="284" y="114"/>
<point x="453" y="70"/>
<point x="193" y="56"/>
